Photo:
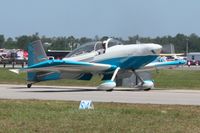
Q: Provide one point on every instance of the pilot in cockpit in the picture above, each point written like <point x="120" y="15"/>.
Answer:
<point x="104" y="47"/>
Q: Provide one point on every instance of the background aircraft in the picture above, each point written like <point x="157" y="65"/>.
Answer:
<point x="175" y="56"/>
<point x="107" y="58"/>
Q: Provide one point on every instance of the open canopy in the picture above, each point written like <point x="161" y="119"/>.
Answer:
<point x="94" y="46"/>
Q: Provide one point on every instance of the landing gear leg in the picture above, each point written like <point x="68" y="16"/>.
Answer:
<point x="113" y="77"/>
<point x="138" y="77"/>
<point x="108" y="85"/>
<point x="143" y="85"/>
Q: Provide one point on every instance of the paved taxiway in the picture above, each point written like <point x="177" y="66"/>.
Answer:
<point x="182" y="97"/>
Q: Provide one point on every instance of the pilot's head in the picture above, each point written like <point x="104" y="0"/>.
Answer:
<point x="104" y="45"/>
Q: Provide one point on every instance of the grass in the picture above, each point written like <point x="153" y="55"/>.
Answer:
<point x="179" y="79"/>
<point x="7" y="77"/>
<point x="59" y="116"/>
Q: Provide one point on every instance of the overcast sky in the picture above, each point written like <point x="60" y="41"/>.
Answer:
<point x="119" y="18"/>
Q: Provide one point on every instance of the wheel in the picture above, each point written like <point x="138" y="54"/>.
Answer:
<point x="148" y="89"/>
<point x="29" y="85"/>
<point x="109" y="90"/>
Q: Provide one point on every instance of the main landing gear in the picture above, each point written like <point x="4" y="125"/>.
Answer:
<point x="145" y="85"/>
<point x="29" y="84"/>
<point x="109" y="85"/>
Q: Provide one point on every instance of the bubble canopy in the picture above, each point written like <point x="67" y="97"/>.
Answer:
<point x="94" y="46"/>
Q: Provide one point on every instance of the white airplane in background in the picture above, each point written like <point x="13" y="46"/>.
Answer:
<point x="107" y="58"/>
<point x="175" y="56"/>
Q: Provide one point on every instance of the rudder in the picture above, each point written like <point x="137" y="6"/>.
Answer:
<point x="36" y="53"/>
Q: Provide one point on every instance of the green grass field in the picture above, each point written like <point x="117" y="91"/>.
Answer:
<point x="179" y="79"/>
<point x="170" y="79"/>
<point x="59" y="116"/>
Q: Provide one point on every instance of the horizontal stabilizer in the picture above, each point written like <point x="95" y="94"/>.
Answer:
<point x="70" y="66"/>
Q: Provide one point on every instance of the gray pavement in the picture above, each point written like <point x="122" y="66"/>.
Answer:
<point x="121" y="95"/>
<point x="197" y="68"/>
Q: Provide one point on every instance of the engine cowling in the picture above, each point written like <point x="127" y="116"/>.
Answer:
<point x="107" y="85"/>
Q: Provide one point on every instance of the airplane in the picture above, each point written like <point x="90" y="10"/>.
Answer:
<point x="174" y="56"/>
<point x="107" y="58"/>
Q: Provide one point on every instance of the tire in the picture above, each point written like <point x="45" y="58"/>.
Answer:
<point x="109" y="90"/>
<point x="148" y="89"/>
<point x="29" y="85"/>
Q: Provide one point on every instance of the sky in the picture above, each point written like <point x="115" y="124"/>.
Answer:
<point x="88" y="18"/>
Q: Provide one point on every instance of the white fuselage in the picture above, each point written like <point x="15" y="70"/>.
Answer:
<point x="130" y="56"/>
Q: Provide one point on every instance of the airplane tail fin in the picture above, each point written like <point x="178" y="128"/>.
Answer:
<point x="36" y="53"/>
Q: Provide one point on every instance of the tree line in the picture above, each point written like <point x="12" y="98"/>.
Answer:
<point x="180" y="41"/>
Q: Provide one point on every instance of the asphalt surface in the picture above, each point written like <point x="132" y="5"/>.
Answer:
<point x="121" y="95"/>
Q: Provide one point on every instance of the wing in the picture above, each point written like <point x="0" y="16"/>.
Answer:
<point x="163" y="65"/>
<point x="65" y="65"/>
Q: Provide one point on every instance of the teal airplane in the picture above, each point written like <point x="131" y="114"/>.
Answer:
<point x="108" y="58"/>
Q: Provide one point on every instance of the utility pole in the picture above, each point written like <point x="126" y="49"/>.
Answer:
<point x="187" y="47"/>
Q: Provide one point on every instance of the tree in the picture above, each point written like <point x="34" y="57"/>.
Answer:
<point x="2" y="41"/>
<point x="71" y="41"/>
<point x="10" y="44"/>
<point x="96" y="38"/>
<point x="133" y="39"/>
<point x="193" y="43"/>
<point x="22" y="41"/>
<point x="59" y="43"/>
<point x="104" y="38"/>
<point x="84" y="40"/>
<point x="34" y="37"/>
<point x="180" y="41"/>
